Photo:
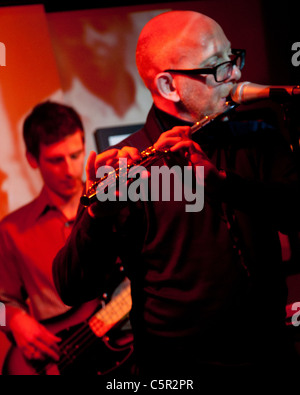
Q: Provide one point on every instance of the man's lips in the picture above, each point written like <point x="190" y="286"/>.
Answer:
<point x="70" y="183"/>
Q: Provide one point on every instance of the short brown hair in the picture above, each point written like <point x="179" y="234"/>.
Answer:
<point x="49" y="123"/>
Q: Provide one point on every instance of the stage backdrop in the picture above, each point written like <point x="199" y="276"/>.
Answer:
<point x="30" y="76"/>
<point x="87" y="59"/>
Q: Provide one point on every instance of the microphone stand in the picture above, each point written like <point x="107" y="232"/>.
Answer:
<point x="292" y="122"/>
<point x="291" y="111"/>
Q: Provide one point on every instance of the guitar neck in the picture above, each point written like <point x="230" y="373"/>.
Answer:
<point x="112" y="313"/>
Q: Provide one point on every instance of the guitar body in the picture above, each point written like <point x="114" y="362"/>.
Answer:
<point x="16" y="365"/>
<point x="82" y="351"/>
<point x="101" y="359"/>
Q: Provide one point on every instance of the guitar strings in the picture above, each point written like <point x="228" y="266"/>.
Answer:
<point x="81" y="339"/>
<point x="68" y="343"/>
<point x="77" y="340"/>
<point x="68" y="358"/>
<point x="93" y="326"/>
<point x="118" y="363"/>
<point x="83" y="342"/>
<point x="88" y="341"/>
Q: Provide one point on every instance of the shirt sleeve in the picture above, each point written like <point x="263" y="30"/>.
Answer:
<point x="82" y="267"/>
<point x="12" y="292"/>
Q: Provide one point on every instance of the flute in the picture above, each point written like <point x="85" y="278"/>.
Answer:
<point x="150" y="155"/>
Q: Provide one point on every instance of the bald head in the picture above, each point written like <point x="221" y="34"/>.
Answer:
<point x="171" y="40"/>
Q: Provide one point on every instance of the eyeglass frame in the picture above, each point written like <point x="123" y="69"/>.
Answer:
<point x="238" y="53"/>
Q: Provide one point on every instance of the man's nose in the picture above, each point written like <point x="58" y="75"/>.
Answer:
<point x="236" y="73"/>
<point x="69" y="167"/>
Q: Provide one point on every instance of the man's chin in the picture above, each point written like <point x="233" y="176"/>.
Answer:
<point x="69" y="193"/>
<point x="224" y="103"/>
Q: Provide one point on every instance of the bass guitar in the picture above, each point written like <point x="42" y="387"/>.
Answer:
<point x="95" y="340"/>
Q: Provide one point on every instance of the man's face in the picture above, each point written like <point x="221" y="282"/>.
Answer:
<point x="202" y="95"/>
<point x="61" y="165"/>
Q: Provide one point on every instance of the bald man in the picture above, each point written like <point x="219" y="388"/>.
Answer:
<point x="200" y="280"/>
<point x="185" y="47"/>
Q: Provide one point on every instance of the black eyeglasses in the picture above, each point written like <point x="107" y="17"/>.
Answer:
<point x="223" y="71"/>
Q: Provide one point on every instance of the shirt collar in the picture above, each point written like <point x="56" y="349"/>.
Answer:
<point x="168" y="121"/>
<point x="158" y="122"/>
<point x="212" y="135"/>
<point x="42" y="205"/>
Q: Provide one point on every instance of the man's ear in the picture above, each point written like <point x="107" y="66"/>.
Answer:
<point x="166" y="87"/>
<point x="32" y="160"/>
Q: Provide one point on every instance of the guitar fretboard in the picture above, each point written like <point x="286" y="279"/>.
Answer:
<point x="113" y="312"/>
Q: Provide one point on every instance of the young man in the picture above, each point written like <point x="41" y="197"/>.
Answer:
<point x="198" y="303"/>
<point x="31" y="236"/>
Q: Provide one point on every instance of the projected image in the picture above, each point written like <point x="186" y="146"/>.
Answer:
<point x="3" y="196"/>
<point x="95" y="51"/>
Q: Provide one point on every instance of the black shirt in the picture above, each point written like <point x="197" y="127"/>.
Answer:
<point x="201" y="282"/>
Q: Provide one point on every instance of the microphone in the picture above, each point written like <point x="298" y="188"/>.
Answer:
<point x="245" y="92"/>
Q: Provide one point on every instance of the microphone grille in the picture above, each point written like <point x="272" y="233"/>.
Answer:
<point x="237" y="92"/>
